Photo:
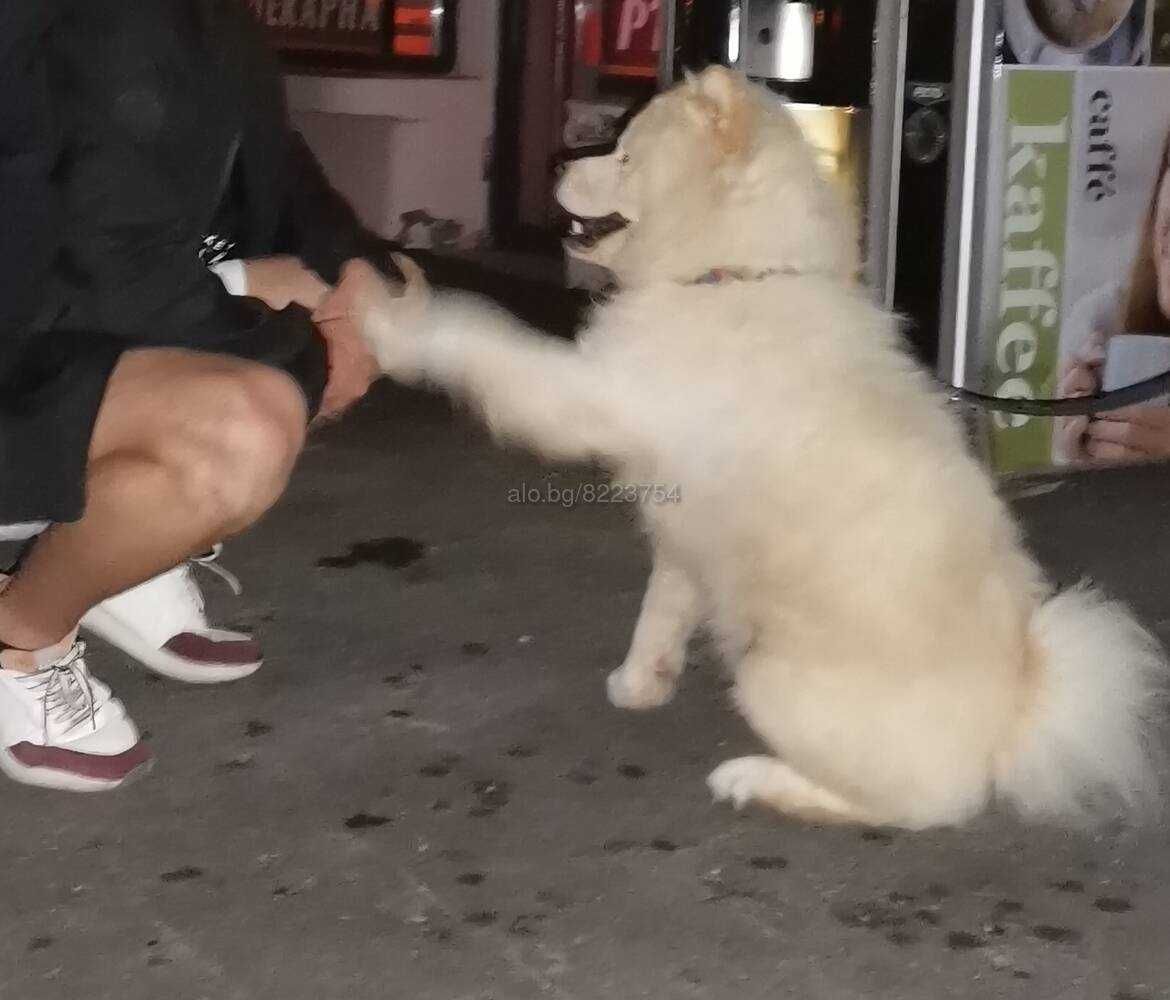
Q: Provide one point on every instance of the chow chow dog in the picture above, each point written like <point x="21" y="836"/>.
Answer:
<point x="807" y="493"/>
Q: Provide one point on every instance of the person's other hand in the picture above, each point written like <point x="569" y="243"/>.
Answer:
<point x="1133" y="434"/>
<point x="1080" y="376"/>
<point x="280" y="281"/>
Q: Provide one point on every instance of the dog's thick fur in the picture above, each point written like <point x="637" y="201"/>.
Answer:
<point x="894" y="647"/>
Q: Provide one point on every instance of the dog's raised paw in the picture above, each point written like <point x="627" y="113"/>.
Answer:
<point x="639" y="689"/>
<point x="738" y="781"/>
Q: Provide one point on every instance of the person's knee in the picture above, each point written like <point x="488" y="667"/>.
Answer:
<point x="242" y="446"/>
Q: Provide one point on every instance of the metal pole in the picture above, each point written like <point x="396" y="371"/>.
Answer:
<point x="887" y="98"/>
<point x="970" y="120"/>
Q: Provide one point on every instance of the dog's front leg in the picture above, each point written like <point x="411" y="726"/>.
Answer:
<point x="670" y="613"/>
<point x="531" y="389"/>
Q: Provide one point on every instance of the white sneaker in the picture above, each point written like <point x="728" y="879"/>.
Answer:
<point x="162" y="624"/>
<point x="60" y="727"/>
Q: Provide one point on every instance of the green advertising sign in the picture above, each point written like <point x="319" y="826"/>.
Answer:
<point x="1024" y="339"/>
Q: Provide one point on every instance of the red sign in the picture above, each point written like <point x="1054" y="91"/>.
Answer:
<point x="356" y="26"/>
<point x="633" y="37"/>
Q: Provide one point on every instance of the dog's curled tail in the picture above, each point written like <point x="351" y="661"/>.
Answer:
<point x="1088" y="748"/>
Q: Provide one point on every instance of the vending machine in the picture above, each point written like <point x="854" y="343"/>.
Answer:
<point x="1057" y="278"/>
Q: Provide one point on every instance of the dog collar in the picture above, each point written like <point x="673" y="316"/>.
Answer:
<point x="716" y="276"/>
<point x="721" y="275"/>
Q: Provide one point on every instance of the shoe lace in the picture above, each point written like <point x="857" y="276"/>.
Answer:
<point x="208" y="561"/>
<point x="67" y="696"/>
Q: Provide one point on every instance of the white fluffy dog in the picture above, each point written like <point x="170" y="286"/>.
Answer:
<point x="893" y="646"/>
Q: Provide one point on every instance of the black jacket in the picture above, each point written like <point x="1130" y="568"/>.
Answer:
<point x="173" y="106"/>
<point x="129" y="131"/>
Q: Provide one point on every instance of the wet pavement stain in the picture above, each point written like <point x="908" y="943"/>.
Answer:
<point x="525" y="924"/>
<point x="491" y="796"/>
<point x="441" y="934"/>
<point x="395" y="552"/>
<point x="522" y="751"/>
<point x="882" y="837"/>
<point x="400" y="713"/>
<point x="1113" y="904"/>
<point x="1006" y="908"/>
<point x="663" y="845"/>
<point x="40" y="943"/>
<point x="963" y="941"/>
<point x="471" y="878"/>
<point x="769" y="863"/>
<point x="439" y="768"/>
<point x="1056" y="934"/>
<point x="185" y="874"/>
<point x="1070" y="885"/>
<point x="475" y="649"/>
<point x="255" y="727"/>
<point x="365" y="821"/>
<point x="481" y="918"/>
<point x="631" y="771"/>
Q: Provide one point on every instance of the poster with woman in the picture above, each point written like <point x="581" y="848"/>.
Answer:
<point x="1076" y="292"/>
<point x="1077" y="32"/>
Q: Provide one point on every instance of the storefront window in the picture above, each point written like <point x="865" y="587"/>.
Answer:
<point x="372" y="36"/>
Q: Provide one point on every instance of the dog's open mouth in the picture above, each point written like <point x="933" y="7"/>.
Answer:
<point x="586" y="232"/>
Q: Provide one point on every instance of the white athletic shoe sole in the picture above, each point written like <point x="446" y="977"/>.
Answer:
<point x="106" y="626"/>
<point x="65" y="781"/>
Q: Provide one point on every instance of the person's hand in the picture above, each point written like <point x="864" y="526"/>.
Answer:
<point x="280" y="281"/>
<point x="1133" y="434"/>
<point x="352" y="365"/>
<point x="352" y="368"/>
<point x="386" y="314"/>
<point x="1080" y="376"/>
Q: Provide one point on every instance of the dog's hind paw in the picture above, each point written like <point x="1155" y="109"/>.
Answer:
<point x="639" y="689"/>
<point x="740" y="780"/>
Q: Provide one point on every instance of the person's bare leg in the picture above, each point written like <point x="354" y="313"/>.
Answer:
<point x="188" y="449"/>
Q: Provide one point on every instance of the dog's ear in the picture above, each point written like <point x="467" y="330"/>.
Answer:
<point x="725" y="96"/>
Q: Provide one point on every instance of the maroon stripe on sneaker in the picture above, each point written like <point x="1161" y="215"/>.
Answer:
<point x="202" y="649"/>
<point x="99" y="767"/>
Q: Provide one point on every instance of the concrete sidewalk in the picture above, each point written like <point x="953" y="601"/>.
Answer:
<point x="424" y="794"/>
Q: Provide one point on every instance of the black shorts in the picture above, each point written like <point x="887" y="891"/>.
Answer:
<point x="50" y="396"/>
